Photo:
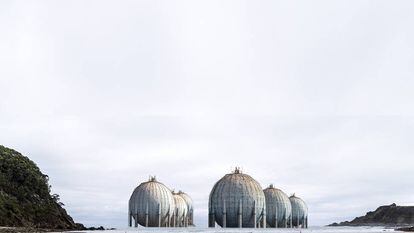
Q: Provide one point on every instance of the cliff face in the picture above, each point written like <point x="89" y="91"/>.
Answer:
<point x="391" y="215"/>
<point x="25" y="199"/>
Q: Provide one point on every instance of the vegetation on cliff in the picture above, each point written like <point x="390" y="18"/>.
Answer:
<point x="389" y="215"/>
<point x="25" y="199"/>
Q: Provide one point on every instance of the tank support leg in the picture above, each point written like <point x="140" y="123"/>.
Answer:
<point x="130" y="220"/>
<point x="254" y="215"/>
<point x="136" y="220"/>
<point x="264" y="218"/>
<point x="159" y="215"/>
<point x="146" y="216"/>
<point x="276" y="220"/>
<point x="240" y="215"/>
<point x="192" y="217"/>
<point x="297" y="222"/>
<point x="211" y="220"/>
<point x="224" y="214"/>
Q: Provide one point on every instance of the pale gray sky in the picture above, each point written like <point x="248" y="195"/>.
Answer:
<point x="313" y="96"/>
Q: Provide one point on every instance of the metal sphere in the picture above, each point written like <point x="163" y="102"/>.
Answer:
<point x="299" y="211"/>
<point x="190" y="208"/>
<point x="152" y="199"/>
<point x="278" y="207"/>
<point x="233" y="191"/>
<point x="187" y="199"/>
<point x="181" y="211"/>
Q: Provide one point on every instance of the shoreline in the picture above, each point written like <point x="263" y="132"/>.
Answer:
<point x="4" y="229"/>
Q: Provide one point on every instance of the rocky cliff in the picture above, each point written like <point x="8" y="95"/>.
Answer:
<point x="390" y="215"/>
<point x="25" y="199"/>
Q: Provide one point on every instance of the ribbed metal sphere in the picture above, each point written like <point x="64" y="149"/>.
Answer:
<point x="155" y="199"/>
<point x="188" y="200"/>
<point x="299" y="210"/>
<point x="230" y="192"/>
<point x="190" y="207"/>
<point x="180" y="209"/>
<point x="278" y="207"/>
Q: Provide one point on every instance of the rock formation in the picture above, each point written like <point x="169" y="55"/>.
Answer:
<point x="390" y="215"/>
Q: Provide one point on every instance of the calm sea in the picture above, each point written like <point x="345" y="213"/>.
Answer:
<point x="246" y="230"/>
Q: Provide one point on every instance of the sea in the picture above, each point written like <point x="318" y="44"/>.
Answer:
<point x="250" y="230"/>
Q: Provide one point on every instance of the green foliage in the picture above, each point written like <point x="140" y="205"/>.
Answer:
<point x="25" y="198"/>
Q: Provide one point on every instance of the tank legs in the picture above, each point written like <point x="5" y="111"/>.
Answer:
<point x="159" y="215"/>
<point x="276" y="222"/>
<point x="297" y="222"/>
<point x="224" y="220"/>
<point x="240" y="215"/>
<point x="264" y="218"/>
<point x="146" y="219"/>
<point x="130" y="220"/>
<point x="224" y="214"/>
<point x="211" y="220"/>
<point x="192" y="217"/>
<point x="136" y="220"/>
<point x="254" y="215"/>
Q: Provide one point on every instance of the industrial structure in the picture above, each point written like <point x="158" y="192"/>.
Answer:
<point x="278" y="207"/>
<point x="152" y="204"/>
<point x="237" y="200"/>
<point x="180" y="218"/>
<point x="299" y="212"/>
<point x="190" y="207"/>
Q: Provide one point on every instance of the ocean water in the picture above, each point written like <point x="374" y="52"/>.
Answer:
<point x="248" y="230"/>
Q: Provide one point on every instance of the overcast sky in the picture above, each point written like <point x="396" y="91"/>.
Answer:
<point x="315" y="97"/>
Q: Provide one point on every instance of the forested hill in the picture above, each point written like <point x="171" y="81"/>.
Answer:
<point x="25" y="199"/>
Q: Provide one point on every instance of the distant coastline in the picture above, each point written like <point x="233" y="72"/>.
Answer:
<point x="388" y="215"/>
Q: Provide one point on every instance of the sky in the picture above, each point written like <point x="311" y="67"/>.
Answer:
<point x="315" y="97"/>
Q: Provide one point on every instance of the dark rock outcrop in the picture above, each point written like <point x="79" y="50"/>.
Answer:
<point x="390" y="215"/>
<point x="409" y="229"/>
<point x="25" y="199"/>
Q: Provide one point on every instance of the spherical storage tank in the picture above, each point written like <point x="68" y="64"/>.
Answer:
<point x="151" y="204"/>
<point x="181" y="212"/>
<point x="299" y="211"/>
<point x="237" y="200"/>
<point x="278" y="207"/>
<point x="190" y="207"/>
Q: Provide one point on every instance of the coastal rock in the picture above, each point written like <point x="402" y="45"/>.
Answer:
<point x="390" y="215"/>
<point x="408" y="229"/>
